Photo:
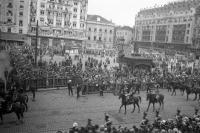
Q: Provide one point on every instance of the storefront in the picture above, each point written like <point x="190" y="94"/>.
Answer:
<point x="8" y="40"/>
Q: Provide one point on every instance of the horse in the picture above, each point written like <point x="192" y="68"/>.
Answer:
<point x="133" y="100"/>
<point x="17" y="108"/>
<point x="22" y="99"/>
<point x="155" y="98"/>
<point x="192" y="90"/>
<point x="176" y="86"/>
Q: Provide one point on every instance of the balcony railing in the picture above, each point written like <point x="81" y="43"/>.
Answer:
<point x="78" y="36"/>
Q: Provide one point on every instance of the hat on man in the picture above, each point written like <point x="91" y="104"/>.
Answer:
<point x="75" y="124"/>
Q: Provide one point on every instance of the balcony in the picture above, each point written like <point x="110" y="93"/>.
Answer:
<point x="68" y="35"/>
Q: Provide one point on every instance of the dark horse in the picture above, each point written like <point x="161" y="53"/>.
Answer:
<point x="155" y="98"/>
<point x="176" y="86"/>
<point x="135" y="100"/>
<point x="17" y="108"/>
<point x="192" y="90"/>
<point x="22" y="98"/>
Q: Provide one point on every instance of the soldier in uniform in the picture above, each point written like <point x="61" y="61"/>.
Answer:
<point x="108" y="123"/>
<point x="70" y="91"/>
<point x="78" y="90"/>
<point x="144" y="122"/>
<point x="157" y="119"/>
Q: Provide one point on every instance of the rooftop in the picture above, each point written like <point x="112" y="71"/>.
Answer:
<point x="97" y="18"/>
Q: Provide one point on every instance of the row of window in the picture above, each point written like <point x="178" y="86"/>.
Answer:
<point x="9" y="30"/>
<point x="163" y="21"/>
<point x="99" y="39"/>
<point x="59" y="22"/>
<point x="100" y="30"/>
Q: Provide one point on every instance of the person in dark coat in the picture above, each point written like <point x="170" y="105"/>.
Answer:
<point x="70" y="91"/>
<point x="78" y="90"/>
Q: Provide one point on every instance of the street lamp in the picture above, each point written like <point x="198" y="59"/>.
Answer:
<point x="36" y="44"/>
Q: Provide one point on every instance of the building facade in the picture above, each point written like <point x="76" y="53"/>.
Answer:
<point x="62" y="23"/>
<point x="170" y="26"/>
<point x="100" y="33"/>
<point x="124" y="32"/>
<point x="14" y="19"/>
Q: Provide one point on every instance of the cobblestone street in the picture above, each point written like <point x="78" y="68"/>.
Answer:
<point x="55" y="110"/>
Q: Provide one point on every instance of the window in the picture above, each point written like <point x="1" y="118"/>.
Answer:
<point x="32" y="19"/>
<point x="99" y="38"/>
<point x="74" y="16"/>
<point x="105" y="31"/>
<point x="9" y="20"/>
<point x="9" y="29"/>
<point x="9" y="13"/>
<point x="21" y="7"/>
<point x="187" y="39"/>
<point x="42" y="5"/>
<point x="88" y="37"/>
<point x="42" y="20"/>
<point x="75" y="3"/>
<point x="188" y="25"/>
<point x="95" y="38"/>
<point x="110" y="31"/>
<point x="10" y="5"/>
<point x="75" y="9"/>
<point x="188" y="31"/>
<point x="100" y="30"/>
<point x="82" y="25"/>
<point x="89" y="29"/>
<point x="74" y="24"/>
<point x="81" y="11"/>
<point x="41" y="12"/>
<point x="95" y="29"/>
<point x="105" y="39"/>
<point x="20" y="31"/>
<point x="20" y="23"/>
<point x="20" y="14"/>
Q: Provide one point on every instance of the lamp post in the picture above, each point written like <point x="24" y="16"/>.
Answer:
<point x="36" y="44"/>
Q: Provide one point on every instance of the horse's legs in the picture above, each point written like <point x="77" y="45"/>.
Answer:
<point x="125" y="108"/>
<point x="138" y="107"/>
<point x="18" y="117"/>
<point x="148" y="107"/>
<point x="153" y="107"/>
<point x="187" y="96"/>
<point x="120" y="108"/>
<point x="133" y="107"/>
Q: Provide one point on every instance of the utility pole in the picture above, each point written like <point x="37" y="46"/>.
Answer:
<point x="36" y="44"/>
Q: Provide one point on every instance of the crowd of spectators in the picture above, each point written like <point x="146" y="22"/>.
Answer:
<point x="179" y="124"/>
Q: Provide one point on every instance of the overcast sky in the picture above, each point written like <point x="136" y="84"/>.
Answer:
<point x="121" y="12"/>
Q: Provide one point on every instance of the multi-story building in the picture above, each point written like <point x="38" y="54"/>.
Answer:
<point x="100" y="33"/>
<point x="124" y="32"/>
<point x="62" y="23"/>
<point x="169" y="26"/>
<point x="14" y="18"/>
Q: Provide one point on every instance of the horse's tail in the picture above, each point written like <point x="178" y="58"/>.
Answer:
<point x="140" y="99"/>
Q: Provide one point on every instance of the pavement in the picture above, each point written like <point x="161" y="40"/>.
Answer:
<point x="54" y="110"/>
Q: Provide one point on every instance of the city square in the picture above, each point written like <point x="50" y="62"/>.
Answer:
<point x="54" y="110"/>
<point x="99" y="66"/>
